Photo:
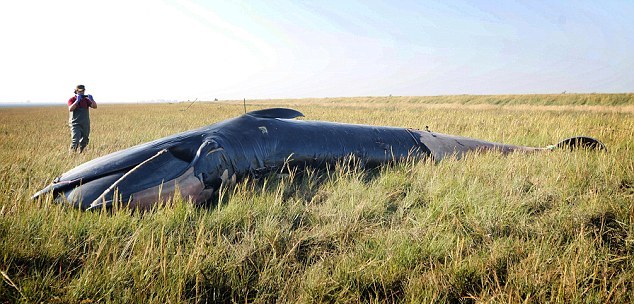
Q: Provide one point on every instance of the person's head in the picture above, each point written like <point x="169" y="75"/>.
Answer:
<point x="80" y="89"/>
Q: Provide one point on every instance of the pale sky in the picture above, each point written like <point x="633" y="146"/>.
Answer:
<point x="141" y="50"/>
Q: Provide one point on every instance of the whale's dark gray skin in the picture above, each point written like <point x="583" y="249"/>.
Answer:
<point x="197" y="162"/>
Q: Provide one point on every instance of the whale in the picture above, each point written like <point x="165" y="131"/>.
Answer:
<point x="195" y="164"/>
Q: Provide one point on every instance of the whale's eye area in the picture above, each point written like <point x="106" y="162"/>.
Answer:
<point x="184" y="153"/>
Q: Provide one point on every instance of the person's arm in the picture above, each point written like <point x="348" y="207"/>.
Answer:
<point x="93" y="104"/>
<point x="73" y="103"/>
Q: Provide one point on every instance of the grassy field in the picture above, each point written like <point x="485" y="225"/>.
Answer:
<point x="552" y="227"/>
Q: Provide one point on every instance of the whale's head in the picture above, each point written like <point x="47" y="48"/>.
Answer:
<point x="143" y="175"/>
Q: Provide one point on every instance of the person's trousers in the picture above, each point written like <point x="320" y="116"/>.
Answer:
<point x="79" y="130"/>
<point x="79" y="136"/>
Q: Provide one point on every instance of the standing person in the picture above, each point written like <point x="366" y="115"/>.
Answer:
<point x="79" y="118"/>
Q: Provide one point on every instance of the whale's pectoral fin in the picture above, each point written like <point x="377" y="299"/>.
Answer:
<point x="582" y="142"/>
<point x="276" y="113"/>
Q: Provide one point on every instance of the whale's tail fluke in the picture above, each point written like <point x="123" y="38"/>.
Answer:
<point x="580" y="142"/>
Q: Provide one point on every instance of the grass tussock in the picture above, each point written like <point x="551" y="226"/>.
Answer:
<point x="553" y="227"/>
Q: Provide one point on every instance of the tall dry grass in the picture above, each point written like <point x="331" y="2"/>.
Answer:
<point x="553" y="227"/>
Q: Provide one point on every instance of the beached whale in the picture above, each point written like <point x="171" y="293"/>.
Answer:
<point x="196" y="163"/>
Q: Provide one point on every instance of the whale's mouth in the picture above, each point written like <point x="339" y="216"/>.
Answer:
<point x="187" y="185"/>
<point x="157" y="177"/>
<point x="154" y="180"/>
<point x="140" y="180"/>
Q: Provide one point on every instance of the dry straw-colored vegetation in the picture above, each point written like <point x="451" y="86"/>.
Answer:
<point x="552" y="227"/>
